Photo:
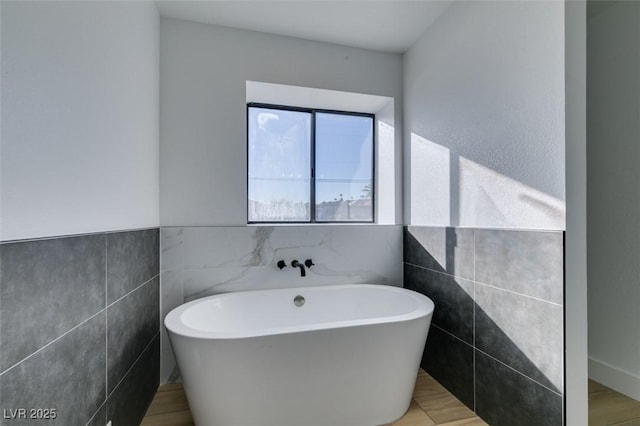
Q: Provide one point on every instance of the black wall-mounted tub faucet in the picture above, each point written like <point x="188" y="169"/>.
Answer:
<point x="297" y="264"/>
<point x="281" y="264"/>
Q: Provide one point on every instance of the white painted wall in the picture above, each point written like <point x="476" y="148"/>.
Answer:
<point x="613" y="101"/>
<point x="487" y="144"/>
<point x="80" y="127"/>
<point x="203" y="75"/>
<point x="484" y="118"/>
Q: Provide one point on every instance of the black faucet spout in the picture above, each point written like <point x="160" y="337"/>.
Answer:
<point x="297" y="264"/>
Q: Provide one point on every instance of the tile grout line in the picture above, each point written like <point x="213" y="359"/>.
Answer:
<point x="625" y="422"/>
<point x="133" y="291"/>
<point x="106" y="319"/>
<point x="1" y="373"/>
<point x="182" y="268"/>
<point x="485" y="284"/>
<point x="520" y="373"/>
<point x="97" y="411"/>
<point x="52" y="342"/>
<point x="452" y="335"/>
<point x="423" y="410"/>
<point x="160" y="287"/>
<point x="182" y="261"/>
<point x="474" y="323"/>
<point x="438" y="272"/>
<point x="520" y="294"/>
<point x="124" y="376"/>
<point x="426" y="413"/>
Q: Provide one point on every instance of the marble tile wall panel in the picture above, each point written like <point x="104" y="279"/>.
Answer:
<point x="202" y="261"/>
<point x="222" y="259"/>
<point x="171" y="249"/>
<point x="171" y="296"/>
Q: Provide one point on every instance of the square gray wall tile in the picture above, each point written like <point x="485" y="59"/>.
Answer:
<point x="133" y="258"/>
<point x="440" y="249"/>
<point x="524" y="333"/>
<point x="452" y="298"/>
<point x="506" y="398"/>
<point x="131" y="324"/>
<point x="62" y="278"/>
<point x="450" y="362"/>
<point x="67" y="375"/>
<point x="517" y="294"/>
<point x="100" y="417"/>
<point x="129" y="402"/>
<point x="527" y="262"/>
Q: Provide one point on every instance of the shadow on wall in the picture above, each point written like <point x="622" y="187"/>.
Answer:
<point x="499" y="350"/>
<point x="447" y="188"/>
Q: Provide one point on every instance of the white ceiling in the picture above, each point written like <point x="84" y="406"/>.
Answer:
<point x="384" y="25"/>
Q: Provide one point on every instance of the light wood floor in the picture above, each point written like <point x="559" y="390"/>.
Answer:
<point x="432" y="405"/>
<point x="608" y="407"/>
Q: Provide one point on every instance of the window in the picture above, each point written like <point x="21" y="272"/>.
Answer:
<point x="307" y="165"/>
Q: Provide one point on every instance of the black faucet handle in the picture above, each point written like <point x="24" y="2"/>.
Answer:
<point x="309" y="263"/>
<point x="281" y="264"/>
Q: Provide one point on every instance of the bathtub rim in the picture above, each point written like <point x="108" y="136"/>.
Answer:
<point x="173" y="323"/>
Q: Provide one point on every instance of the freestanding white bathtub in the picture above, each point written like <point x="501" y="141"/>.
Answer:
<point x="348" y="356"/>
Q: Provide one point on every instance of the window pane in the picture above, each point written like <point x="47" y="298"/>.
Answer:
<point x="344" y="167"/>
<point x="279" y="169"/>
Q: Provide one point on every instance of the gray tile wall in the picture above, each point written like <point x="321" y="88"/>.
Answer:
<point x="497" y="333"/>
<point x="79" y="328"/>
